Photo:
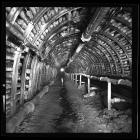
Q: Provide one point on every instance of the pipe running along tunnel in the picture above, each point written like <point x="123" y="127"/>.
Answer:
<point x="62" y="62"/>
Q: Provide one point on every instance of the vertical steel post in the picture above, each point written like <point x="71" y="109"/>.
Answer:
<point x="80" y="79"/>
<point x="75" y="78"/>
<point x="109" y="95"/>
<point x="88" y="84"/>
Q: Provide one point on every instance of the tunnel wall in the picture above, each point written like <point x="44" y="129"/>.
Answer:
<point x="25" y="76"/>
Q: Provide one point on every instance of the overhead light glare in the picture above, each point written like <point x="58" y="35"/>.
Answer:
<point x="62" y="70"/>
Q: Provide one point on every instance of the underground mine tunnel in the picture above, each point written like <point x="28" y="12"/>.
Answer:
<point x="68" y="69"/>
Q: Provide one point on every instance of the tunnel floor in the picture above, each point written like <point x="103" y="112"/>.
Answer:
<point x="64" y="110"/>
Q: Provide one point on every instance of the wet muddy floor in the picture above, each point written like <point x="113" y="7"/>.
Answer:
<point x="67" y="116"/>
<point x="64" y="110"/>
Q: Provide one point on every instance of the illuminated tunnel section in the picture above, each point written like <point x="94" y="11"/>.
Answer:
<point x="94" y="41"/>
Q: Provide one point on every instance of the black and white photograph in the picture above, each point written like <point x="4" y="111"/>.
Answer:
<point x="69" y="69"/>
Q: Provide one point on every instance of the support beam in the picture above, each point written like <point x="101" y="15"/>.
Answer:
<point x="75" y="78"/>
<point x="80" y="79"/>
<point x="88" y="84"/>
<point x="96" y="20"/>
<point x="14" y="31"/>
<point x="76" y="53"/>
<point x="4" y="109"/>
<point x="109" y="95"/>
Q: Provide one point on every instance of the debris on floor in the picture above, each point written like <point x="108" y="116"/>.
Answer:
<point x="89" y="94"/>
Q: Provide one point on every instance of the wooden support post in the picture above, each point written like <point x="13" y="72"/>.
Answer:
<point x="88" y="85"/>
<point x="80" y="79"/>
<point x="109" y="95"/>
